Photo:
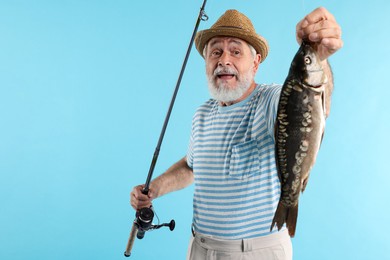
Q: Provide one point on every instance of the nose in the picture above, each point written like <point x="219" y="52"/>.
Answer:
<point x="224" y="59"/>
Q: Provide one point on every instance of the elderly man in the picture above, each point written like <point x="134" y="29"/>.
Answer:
<point x="231" y="153"/>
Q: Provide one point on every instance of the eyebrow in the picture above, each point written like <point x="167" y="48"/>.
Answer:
<point x="215" y="41"/>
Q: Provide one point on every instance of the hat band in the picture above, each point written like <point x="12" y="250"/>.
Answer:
<point x="229" y="27"/>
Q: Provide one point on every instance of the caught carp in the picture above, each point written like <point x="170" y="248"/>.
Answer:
<point x="299" y="128"/>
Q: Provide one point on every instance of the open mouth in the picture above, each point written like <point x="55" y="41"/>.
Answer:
<point x="225" y="76"/>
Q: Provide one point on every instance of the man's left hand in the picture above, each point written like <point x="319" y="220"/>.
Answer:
<point x="320" y="27"/>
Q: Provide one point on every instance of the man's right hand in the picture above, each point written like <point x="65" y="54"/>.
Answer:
<point x="139" y="200"/>
<point x="177" y="177"/>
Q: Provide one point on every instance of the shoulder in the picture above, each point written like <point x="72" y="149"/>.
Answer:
<point x="205" y="108"/>
<point x="265" y="93"/>
<point x="269" y="88"/>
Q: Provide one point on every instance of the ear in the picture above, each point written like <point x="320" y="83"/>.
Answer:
<point x="256" y="62"/>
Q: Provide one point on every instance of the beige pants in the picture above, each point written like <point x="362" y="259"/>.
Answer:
<point x="273" y="247"/>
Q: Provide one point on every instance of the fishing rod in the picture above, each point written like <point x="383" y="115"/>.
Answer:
<point x="144" y="217"/>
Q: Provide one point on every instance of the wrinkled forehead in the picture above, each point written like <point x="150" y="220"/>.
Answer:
<point x="230" y="40"/>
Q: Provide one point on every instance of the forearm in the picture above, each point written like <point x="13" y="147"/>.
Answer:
<point x="177" y="177"/>
<point x="328" y="86"/>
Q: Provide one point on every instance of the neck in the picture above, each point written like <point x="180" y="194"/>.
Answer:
<point x="244" y="96"/>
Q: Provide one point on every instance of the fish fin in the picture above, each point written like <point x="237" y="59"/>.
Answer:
<point x="291" y="222"/>
<point x="324" y="107"/>
<point x="276" y="125"/>
<point x="304" y="183"/>
<point x="286" y="215"/>
<point x="322" y="138"/>
<point x="280" y="216"/>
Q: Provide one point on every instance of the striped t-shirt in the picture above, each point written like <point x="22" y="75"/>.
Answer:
<point x="231" y="152"/>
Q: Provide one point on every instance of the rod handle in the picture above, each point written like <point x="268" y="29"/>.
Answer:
<point x="133" y="234"/>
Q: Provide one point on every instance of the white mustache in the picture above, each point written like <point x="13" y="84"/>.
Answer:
<point x="224" y="70"/>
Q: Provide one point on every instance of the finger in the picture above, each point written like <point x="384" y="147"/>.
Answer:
<point x="140" y="202"/>
<point x="320" y="30"/>
<point x="151" y="194"/>
<point x="324" y="34"/>
<point x="139" y="205"/>
<point x="136" y="194"/>
<point x="302" y="24"/>
<point x="137" y="190"/>
<point x="332" y="44"/>
<point x="328" y="46"/>
<point x="316" y="16"/>
<point x="134" y="204"/>
<point x="299" y="30"/>
<point x="312" y="29"/>
<point x="313" y="22"/>
<point x="319" y="14"/>
<point x="141" y="197"/>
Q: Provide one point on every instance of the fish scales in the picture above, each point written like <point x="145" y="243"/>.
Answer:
<point x="299" y="128"/>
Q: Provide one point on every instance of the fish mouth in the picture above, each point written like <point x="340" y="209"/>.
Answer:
<point x="315" y="78"/>
<point x="314" y="86"/>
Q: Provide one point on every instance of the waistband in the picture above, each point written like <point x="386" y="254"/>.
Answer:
<point x="242" y="245"/>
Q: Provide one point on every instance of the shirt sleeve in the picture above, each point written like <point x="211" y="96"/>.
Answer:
<point x="190" y="150"/>
<point x="271" y="97"/>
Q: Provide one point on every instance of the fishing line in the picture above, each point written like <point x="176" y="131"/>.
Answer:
<point x="158" y="219"/>
<point x="303" y="6"/>
<point x="210" y="10"/>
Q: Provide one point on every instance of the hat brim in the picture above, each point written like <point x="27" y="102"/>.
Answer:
<point x="258" y="42"/>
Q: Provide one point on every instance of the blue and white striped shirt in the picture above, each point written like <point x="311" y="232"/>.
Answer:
<point x="232" y="155"/>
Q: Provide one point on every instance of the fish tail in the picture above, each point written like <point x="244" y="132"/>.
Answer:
<point x="280" y="216"/>
<point x="286" y="215"/>
<point x="292" y="220"/>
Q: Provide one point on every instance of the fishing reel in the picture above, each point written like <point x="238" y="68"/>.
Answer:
<point x="143" y="221"/>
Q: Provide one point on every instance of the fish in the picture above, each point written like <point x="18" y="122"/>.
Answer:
<point x="299" y="130"/>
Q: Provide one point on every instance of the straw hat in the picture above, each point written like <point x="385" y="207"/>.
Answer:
<point x="234" y="24"/>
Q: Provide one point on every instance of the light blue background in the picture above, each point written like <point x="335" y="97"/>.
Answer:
<point x="84" y="89"/>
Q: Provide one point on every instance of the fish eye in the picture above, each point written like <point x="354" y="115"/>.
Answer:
<point x="307" y="60"/>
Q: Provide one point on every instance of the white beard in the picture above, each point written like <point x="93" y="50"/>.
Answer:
<point x="222" y="92"/>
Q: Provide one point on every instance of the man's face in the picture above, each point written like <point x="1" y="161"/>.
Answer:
<point x="230" y="67"/>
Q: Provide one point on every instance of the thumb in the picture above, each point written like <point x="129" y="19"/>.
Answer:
<point x="152" y="194"/>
